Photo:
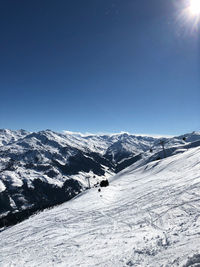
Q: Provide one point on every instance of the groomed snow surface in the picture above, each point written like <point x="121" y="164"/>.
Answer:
<point x="146" y="217"/>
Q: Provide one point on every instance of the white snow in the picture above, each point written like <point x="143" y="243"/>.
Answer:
<point x="148" y="216"/>
<point x="2" y="186"/>
<point x="7" y="136"/>
<point x="13" y="178"/>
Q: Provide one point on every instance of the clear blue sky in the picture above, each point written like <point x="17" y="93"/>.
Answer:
<point x="98" y="66"/>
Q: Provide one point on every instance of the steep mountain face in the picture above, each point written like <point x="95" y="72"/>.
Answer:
<point x="41" y="169"/>
<point x="148" y="216"/>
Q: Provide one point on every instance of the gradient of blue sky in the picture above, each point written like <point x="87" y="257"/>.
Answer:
<point x="98" y="66"/>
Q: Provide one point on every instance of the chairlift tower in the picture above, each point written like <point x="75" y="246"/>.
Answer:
<point x="88" y="179"/>
<point x="162" y="143"/>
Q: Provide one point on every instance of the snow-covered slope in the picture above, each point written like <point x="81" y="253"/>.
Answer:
<point x="41" y="169"/>
<point x="35" y="167"/>
<point x="148" y="216"/>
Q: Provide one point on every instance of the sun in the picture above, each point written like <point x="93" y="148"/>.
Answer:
<point x="189" y="16"/>
<point x="195" y="7"/>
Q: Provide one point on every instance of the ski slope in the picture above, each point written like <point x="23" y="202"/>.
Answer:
<point x="149" y="216"/>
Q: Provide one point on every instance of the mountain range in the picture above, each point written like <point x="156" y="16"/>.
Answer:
<point x="147" y="216"/>
<point x="41" y="169"/>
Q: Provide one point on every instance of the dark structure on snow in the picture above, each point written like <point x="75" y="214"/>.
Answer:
<point x="104" y="183"/>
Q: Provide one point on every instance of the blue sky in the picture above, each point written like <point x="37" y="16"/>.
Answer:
<point x="99" y="66"/>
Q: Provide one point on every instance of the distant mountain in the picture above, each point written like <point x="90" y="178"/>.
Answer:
<point x="42" y="169"/>
<point x="8" y="136"/>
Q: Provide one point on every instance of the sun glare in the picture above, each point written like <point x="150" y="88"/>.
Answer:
<point x="195" y="7"/>
<point x="189" y="16"/>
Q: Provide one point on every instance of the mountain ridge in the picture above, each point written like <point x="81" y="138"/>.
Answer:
<point x="50" y="159"/>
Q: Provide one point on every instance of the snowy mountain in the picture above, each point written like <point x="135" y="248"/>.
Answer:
<point x="148" y="216"/>
<point x="8" y="136"/>
<point x="42" y="169"/>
